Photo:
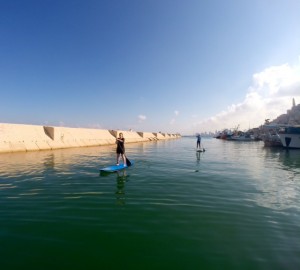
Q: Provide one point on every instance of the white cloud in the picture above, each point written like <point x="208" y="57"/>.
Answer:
<point x="276" y="81"/>
<point x="269" y="96"/>
<point x="142" y="118"/>
<point x="176" y="113"/>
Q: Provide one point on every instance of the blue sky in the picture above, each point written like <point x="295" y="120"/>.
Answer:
<point x="149" y="65"/>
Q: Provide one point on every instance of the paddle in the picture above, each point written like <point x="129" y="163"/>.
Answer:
<point x="128" y="162"/>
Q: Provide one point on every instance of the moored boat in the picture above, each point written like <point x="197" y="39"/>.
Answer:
<point x="290" y="137"/>
<point x="242" y="136"/>
<point x="224" y="135"/>
<point x="270" y="136"/>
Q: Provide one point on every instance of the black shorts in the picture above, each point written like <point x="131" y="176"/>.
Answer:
<point x="120" y="150"/>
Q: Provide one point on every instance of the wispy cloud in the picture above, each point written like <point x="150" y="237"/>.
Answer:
<point x="173" y="120"/>
<point x="142" y="118"/>
<point x="269" y="96"/>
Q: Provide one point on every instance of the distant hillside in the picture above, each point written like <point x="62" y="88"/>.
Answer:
<point x="292" y="117"/>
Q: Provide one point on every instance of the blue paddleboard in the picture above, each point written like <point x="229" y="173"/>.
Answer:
<point x="115" y="168"/>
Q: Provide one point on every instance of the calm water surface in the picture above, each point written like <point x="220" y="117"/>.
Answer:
<point x="235" y="206"/>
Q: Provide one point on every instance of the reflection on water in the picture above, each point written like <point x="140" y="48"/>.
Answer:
<point x="122" y="178"/>
<point x="275" y="172"/>
<point x="290" y="159"/>
<point x="49" y="161"/>
<point x="16" y="164"/>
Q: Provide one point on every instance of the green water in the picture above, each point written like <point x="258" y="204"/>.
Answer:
<point x="235" y="206"/>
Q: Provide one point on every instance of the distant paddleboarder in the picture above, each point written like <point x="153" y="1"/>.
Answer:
<point x="198" y="141"/>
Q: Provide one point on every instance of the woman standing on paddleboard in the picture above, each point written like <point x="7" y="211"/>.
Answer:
<point x="121" y="149"/>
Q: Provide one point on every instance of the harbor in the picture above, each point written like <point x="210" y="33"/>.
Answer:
<point x="284" y="131"/>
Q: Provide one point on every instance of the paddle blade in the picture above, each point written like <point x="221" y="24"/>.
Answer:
<point x="128" y="162"/>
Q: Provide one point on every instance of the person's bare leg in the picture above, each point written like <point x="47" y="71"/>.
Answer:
<point x="124" y="159"/>
<point x="118" y="158"/>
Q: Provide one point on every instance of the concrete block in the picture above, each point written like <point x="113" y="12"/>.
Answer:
<point x="131" y="136"/>
<point x="148" y="135"/>
<point x="160" y="136"/>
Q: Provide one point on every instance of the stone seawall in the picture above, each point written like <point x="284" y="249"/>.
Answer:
<point x="17" y="137"/>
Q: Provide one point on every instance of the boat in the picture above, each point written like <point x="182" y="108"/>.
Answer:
<point x="270" y="136"/>
<point x="224" y="135"/>
<point x="242" y="136"/>
<point x="290" y="136"/>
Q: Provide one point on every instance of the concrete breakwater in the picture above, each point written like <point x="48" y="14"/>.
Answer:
<point x="21" y="138"/>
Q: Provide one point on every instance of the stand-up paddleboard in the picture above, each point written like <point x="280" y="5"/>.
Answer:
<point x="115" y="168"/>
<point x="200" y="150"/>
